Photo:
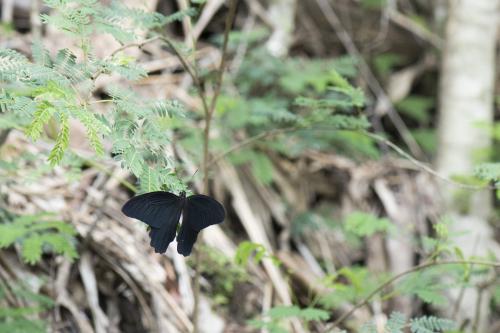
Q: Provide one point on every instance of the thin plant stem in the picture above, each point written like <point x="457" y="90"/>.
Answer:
<point x="423" y="166"/>
<point x="209" y="111"/>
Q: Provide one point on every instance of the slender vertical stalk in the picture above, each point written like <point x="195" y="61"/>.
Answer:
<point x="209" y="112"/>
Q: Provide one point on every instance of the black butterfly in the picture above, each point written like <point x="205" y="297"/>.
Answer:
<point x="162" y="211"/>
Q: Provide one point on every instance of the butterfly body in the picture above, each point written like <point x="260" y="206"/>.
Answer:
<point x="162" y="212"/>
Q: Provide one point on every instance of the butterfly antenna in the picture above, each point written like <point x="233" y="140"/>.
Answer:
<point x="194" y="174"/>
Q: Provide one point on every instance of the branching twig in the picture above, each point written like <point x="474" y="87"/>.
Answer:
<point x="402" y="274"/>
<point x="425" y="167"/>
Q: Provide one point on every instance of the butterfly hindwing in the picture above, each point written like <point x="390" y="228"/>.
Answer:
<point x="162" y="237"/>
<point x="200" y="212"/>
<point x="154" y="208"/>
<point x="185" y="239"/>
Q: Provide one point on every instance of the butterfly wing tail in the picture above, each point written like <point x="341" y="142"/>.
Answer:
<point x="185" y="239"/>
<point x="161" y="238"/>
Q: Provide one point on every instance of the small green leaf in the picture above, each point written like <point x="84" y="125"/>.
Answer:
<point x="262" y="168"/>
<point x="245" y="251"/>
<point x="32" y="249"/>
<point x="312" y="314"/>
<point x="363" y="224"/>
<point x="281" y="312"/>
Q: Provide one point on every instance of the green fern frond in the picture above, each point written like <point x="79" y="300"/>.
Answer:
<point x="65" y="63"/>
<point x="170" y="181"/>
<point x="59" y="243"/>
<point x="60" y="4"/>
<point x="262" y="168"/>
<point x="170" y="108"/>
<point x="428" y="285"/>
<point x="248" y="249"/>
<point x="134" y="161"/>
<point x="62" y="141"/>
<point x="94" y="127"/>
<point x="11" y="61"/>
<point x="6" y="100"/>
<point x="150" y="180"/>
<point x="22" y="106"/>
<point x="36" y="234"/>
<point x="129" y="71"/>
<point x="347" y="123"/>
<point x="125" y="99"/>
<point x="40" y="54"/>
<point x="32" y="249"/>
<point x="43" y="114"/>
<point x="8" y="121"/>
<point x="396" y="323"/>
<point x="313" y="314"/>
<point x="180" y="15"/>
<point x="23" y="325"/>
<point x="10" y="236"/>
<point x="29" y="296"/>
<point x="488" y="171"/>
<point x="22" y="319"/>
<point x="431" y="325"/>
<point x="41" y="75"/>
<point x="281" y="312"/>
<point x="18" y="312"/>
<point x="363" y="224"/>
<point x="73" y="17"/>
<point x="119" y="33"/>
<point x="141" y="18"/>
<point x="369" y="327"/>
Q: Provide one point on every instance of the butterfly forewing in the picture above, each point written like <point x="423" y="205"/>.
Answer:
<point x="154" y="208"/>
<point x="202" y="211"/>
